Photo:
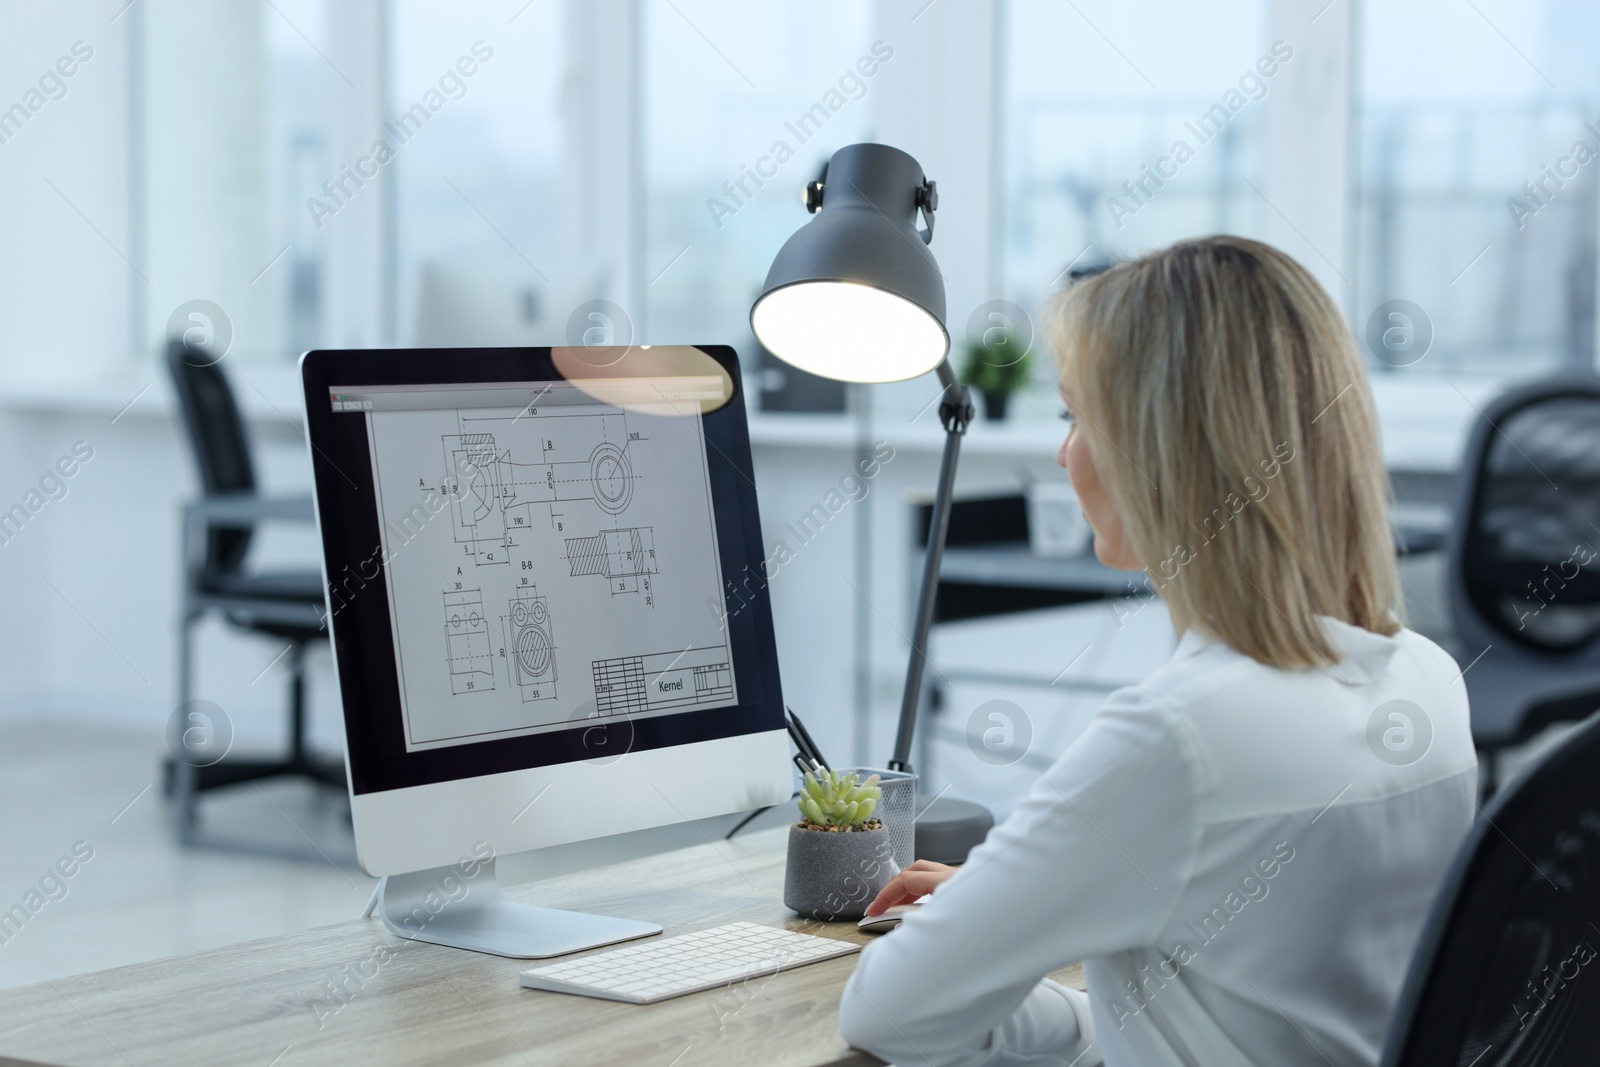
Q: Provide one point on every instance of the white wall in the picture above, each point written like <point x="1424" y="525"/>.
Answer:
<point x="69" y="264"/>
<point x="101" y="645"/>
<point x="93" y="576"/>
<point x="68" y="277"/>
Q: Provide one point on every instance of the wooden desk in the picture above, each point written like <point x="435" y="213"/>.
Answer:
<point x="249" y="1003"/>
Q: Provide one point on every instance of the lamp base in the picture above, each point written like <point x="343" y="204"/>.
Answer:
<point x="949" y="828"/>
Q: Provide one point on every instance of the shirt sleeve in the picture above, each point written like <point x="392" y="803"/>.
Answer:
<point x="1092" y="861"/>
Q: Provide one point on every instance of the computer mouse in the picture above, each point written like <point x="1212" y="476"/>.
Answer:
<point x="880" y="924"/>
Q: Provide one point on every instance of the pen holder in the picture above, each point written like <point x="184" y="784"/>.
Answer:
<point x="897" y="810"/>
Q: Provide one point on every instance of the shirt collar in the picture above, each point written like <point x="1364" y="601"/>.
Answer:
<point x="1364" y="655"/>
<point x="1192" y="641"/>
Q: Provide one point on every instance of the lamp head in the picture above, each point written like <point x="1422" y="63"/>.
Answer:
<point x="855" y="294"/>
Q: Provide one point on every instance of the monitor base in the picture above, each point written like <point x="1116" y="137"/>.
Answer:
<point x="442" y="908"/>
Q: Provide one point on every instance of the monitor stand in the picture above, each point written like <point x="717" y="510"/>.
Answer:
<point x="417" y="906"/>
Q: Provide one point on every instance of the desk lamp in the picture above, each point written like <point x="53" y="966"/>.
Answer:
<point x="855" y="295"/>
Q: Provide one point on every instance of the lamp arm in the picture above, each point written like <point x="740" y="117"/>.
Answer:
<point x="956" y="413"/>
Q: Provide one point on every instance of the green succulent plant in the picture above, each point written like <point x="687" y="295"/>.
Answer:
<point x="838" y="798"/>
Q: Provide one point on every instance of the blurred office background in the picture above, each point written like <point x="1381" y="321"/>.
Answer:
<point x="624" y="170"/>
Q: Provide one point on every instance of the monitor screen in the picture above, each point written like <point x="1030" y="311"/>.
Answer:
<point x="534" y="560"/>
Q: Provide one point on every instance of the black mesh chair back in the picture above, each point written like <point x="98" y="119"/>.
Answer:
<point x="1506" y="972"/>
<point x="217" y="438"/>
<point x="1525" y="551"/>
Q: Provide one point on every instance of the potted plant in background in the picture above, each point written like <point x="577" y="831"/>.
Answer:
<point x="997" y="366"/>
<point x="840" y="856"/>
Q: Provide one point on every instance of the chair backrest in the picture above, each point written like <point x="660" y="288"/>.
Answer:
<point x="1506" y="972"/>
<point x="1524" y="566"/>
<point x="217" y="438"/>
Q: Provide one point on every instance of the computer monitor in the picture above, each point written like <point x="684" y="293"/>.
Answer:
<point x="543" y="571"/>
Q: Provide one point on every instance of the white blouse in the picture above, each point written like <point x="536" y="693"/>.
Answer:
<point x="1241" y="856"/>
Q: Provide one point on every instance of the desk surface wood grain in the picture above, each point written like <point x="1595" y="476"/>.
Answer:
<point x="272" y="1002"/>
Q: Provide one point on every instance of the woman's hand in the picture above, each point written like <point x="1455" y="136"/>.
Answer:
<point x="907" y="887"/>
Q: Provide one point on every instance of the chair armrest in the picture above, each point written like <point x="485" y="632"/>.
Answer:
<point x="246" y="509"/>
<point x="1419" y="527"/>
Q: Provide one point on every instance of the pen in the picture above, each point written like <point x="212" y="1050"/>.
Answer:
<point x="802" y="741"/>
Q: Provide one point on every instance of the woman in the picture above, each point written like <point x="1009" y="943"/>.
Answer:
<point x="1242" y="848"/>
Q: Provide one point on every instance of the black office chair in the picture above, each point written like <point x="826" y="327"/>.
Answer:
<point x="217" y="531"/>
<point x="1524" y="565"/>
<point x="1505" y="973"/>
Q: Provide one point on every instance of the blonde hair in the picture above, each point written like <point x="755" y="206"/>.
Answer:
<point x="1228" y="413"/>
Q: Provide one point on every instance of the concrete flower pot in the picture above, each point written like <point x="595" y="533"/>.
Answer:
<point x="834" y="875"/>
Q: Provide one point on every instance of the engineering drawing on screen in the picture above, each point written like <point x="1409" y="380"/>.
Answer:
<point x="572" y="547"/>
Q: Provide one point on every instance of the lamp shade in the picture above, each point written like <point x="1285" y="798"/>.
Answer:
<point x="855" y="294"/>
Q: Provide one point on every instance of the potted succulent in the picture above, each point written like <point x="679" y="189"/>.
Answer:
<point x="997" y="367"/>
<point x="840" y="856"/>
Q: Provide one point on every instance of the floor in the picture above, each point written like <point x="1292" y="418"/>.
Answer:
<point x="72" y="791"/>
<point x="90" y="796"/>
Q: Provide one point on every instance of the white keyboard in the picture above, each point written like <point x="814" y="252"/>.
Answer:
<point x="648" y="971"/>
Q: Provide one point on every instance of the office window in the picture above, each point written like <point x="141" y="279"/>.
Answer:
<point x="1120" y="140"/>
<point x="1475" y="202"/>
<point x="299" y="100"/>
<point x="474" y="98"/>
<point x="742" y="105"/>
